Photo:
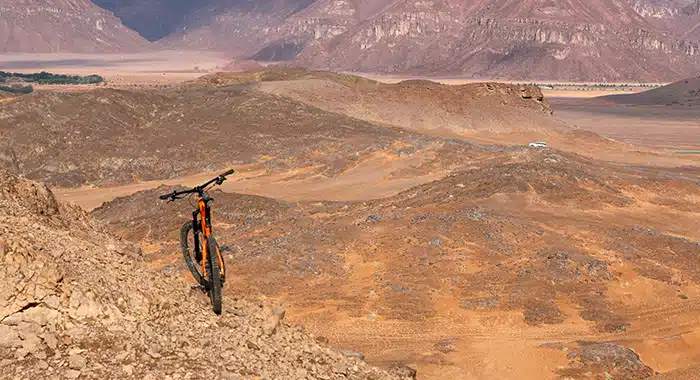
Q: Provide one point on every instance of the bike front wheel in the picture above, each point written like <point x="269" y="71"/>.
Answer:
<point x="214" y="271"/>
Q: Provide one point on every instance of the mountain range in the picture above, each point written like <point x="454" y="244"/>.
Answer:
<point x="567" y="40"/>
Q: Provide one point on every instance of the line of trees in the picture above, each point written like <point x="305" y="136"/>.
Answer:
<point x="49" y="78"/>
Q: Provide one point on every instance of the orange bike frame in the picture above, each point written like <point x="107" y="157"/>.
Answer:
<point x="205" y="220"/>
<point x="206" y="231"/>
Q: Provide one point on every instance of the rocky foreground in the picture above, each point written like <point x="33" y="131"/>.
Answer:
<point x="76" y="302"/>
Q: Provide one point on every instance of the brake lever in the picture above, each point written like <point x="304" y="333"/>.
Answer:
<point x="174" y="198"/>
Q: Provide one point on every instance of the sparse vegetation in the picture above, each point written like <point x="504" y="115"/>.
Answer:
<point x="592" y="86"/>
<point x="49" y="78"/>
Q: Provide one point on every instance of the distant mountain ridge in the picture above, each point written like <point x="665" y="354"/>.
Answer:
<point x="681" y="17"/>
<point x="599" y="40"/>
<point x="567" y="40"/>
<point x="596" y="40"/>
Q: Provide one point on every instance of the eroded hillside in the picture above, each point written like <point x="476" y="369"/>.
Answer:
<point x="112" y="136"/>
<point x="489" y="113"/>
<point x="289" y="123"/>
<point x="109" y="136"/>
<point x="683" y="93"/>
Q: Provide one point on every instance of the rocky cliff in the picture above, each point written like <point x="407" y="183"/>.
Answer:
<point x="597" y="41"/>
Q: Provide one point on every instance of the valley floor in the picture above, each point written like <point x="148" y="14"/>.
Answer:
<point x="674" y="128"/>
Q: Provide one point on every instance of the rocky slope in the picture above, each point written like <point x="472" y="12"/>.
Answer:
<point x="77" y="303"/>
<point x="78" y="26"/>
<point x="681" y="374"/>
<point x="306" y="124"/>
<point x="422" y="106"/>
<point x="141" y="135"/>
<point x="487" y="113"/>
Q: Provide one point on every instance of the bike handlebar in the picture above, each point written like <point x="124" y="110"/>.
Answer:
<point x="198" y="189"/>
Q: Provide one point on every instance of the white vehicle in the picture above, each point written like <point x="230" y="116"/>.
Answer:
<point x="538" y="145"/>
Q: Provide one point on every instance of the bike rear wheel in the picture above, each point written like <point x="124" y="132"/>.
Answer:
<point x="192" y="257"/>
<point x="214" y="272"/>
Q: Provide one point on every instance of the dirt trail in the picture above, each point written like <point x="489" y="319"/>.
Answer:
<point x="374" y="177"/>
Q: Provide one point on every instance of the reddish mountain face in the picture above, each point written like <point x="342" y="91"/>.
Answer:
<point x="593" y="40"/>
<point x="47" y="26"/>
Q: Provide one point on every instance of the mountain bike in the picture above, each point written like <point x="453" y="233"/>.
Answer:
<point x="205" y="261"/>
